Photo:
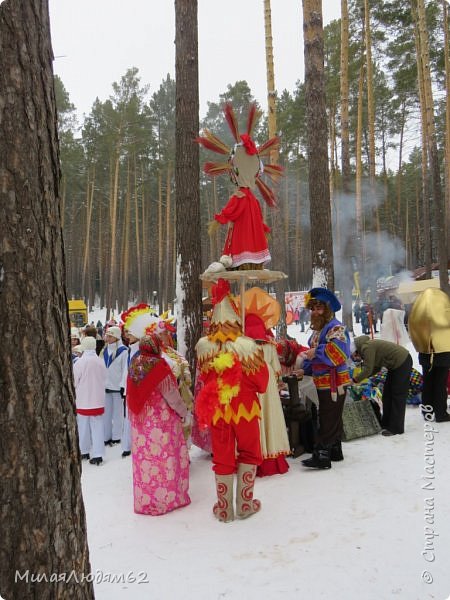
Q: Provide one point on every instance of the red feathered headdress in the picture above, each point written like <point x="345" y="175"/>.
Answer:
<point x="219" y="291"/>
<point x="255" y="169"/>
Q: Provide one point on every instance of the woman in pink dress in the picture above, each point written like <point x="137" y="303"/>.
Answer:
<point x="159" y="451"/>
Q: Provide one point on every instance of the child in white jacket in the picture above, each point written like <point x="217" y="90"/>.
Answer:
<point x="90" y="378"/>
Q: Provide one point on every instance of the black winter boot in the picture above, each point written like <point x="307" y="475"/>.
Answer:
<point x="336" y="451"/>
<point x="320" y="458"/>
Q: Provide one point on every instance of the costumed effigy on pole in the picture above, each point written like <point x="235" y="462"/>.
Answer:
<point x="246" y="241"/>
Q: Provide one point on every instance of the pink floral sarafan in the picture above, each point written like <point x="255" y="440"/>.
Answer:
<point x="160" y="459"/>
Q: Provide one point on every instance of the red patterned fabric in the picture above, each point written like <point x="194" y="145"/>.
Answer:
<point x="139" y="390"/>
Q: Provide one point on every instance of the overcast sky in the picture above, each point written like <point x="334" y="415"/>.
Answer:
<point x="96" y="41"/>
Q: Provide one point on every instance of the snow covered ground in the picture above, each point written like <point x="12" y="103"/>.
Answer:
<point x="375" y="526"/>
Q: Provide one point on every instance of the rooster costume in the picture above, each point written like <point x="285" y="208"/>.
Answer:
<point x="233" y="372"/>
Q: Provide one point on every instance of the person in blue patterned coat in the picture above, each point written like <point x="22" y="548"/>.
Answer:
<point x="326" y="361"/>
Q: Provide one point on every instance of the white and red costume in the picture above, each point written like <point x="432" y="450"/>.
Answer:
<point x="89" y="373"/>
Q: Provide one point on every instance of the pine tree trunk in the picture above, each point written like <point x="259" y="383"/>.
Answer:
<point x="319" y="189"/>
<point x="110" y="298"/>
<point x="298" y="235"/>
<point x="168" y="236"/>
<point x="100" y="257"/>
<point x="91" y="298"/>
<point x="425" y="230"/>
<point x="71" y="258"/>
<point x="345" y="135"/>
<point x="137" y="233"/>
<point x="438" y="201"/>
<point x="333" y="198"/>
<point x="187" y="181"/>
<point x="398" y="179"/>
<point x="160" y="241"/>
<point x="358" y="170"/>
<point x="63" y="200"/>
<point x="86" y="250"/>
<point x="270" y="73"/>
<point x="344" y="198"/>
<point x="41" y="506"/>
<point x="125" y="268"/>
<point x="145" y="216"/>
<point x="445" y="25"/>
<point x="286" y="242"/>
<point x="279" y="256"/>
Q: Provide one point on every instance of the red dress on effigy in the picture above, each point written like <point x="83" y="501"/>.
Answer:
<point x="246" y="240"/>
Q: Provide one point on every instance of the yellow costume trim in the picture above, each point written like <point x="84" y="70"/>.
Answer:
<point x="277" y="454"/>
<point x="227" y="413"/>
<point x="137" y="313"/>
<point x="335" y="354"/>
<point x="225" y="332"/>
<point x="223" y="361"/>
<point x="227" y="392"/>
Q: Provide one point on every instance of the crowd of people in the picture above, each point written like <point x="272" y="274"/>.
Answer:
<point x="135" y="389"/>
<point x="371" y="315"/>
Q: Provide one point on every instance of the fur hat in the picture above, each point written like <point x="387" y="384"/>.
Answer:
<point x="324" y="295"/>
<point x="114" y="332"/>
<point x="88" y="343"/>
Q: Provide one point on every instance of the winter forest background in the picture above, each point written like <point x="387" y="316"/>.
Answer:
<point x="125" y="186"/>
<point x="118" y="163"/>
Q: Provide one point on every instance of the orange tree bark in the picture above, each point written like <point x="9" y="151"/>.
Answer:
<point x="319" y="190"/>
<point x="187" y="180"/>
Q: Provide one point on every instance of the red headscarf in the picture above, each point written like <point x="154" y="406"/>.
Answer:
<point x="147" y="369"/>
